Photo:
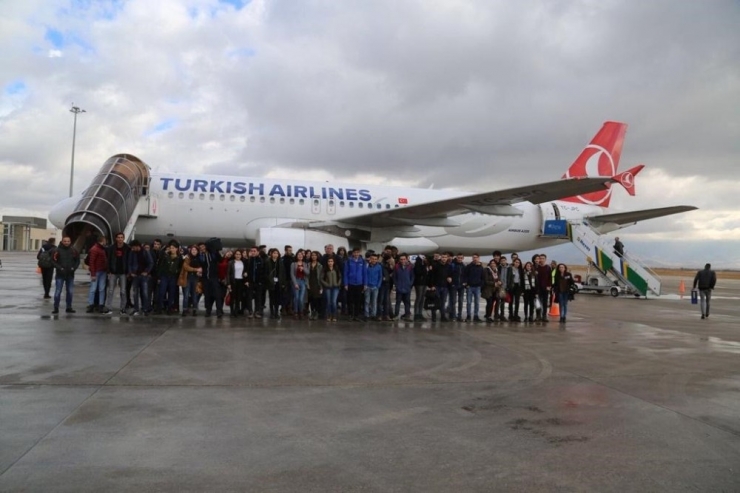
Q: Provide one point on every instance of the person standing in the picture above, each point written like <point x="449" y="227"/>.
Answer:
<point x="373" y="281"/>
<point x="97" y="262"/>
<point x="544" y="283"/>
<point x="46" y="265"/>
<point x="457" y="289"/>
<point x="140" y="265"/>
<point x="66" y="261"/>
<point x="440" y="281"/>
<point x="209" y="257"/>
<point x="275" y="281"/>
<point x="237" y="283"/>
<point x="117" y="272"/>
<point x="705" y="280"/>
<point x="421" y="277"/>
<point x="354" y="283"/>
<point x="255" y="265"/>
<point x="331" y="282"/>
<point x="403" y="278"/>
<point x="473" y="281"/>
<point x="514" y="288"/>
<point x="563" y="282"/>
<point x="299" y="281"/>
<point x="529" y="291"/>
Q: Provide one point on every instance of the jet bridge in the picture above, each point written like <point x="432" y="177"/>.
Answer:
<point x="117" y="196"/>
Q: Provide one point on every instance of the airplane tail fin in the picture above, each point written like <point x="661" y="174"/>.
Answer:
<point x="600" y="158"/>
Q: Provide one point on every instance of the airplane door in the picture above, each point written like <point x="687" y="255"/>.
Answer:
<point x="316" y="204"/>
<point x="331" y="206"/>
<point x="550" y="212"/>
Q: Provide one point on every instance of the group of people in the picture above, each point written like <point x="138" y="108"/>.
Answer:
<point x="172" y="279"/>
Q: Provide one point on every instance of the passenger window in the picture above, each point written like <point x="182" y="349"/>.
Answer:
<point x="212" y="197"/>
<point x="170" y="195"/>
<point x="191" y="196"/>
<point x="202" y="196"/>
<point x="292" y="201"/>
<point x="180" y="195"/>
<point x="282" y="200"/>
<point x="262" y="200"/>
<point x="252" y="199"/>
<point x="232" y="198"/>
<point x="387" y="206"/>
<point x="242" y="198"/>
<point x="379" y="206"/>
<point x="351" y="204"/>
<point x="222" y="197"/>
<point x="359" y="204"/>
<point x="272" y="200"/>
<point x="341" y="203"/>
<point x="301" y="202"/>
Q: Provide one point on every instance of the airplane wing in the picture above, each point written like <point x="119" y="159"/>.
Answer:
<point x="629" y="218"/>
<point x="500" y="202"/>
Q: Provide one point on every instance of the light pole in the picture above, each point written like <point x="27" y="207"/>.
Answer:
<point x="74" y="110"/>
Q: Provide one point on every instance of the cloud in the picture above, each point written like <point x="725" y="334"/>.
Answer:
<point x="464" y="95"/>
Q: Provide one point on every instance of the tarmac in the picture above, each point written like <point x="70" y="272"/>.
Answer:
<point x="631" y="395"/>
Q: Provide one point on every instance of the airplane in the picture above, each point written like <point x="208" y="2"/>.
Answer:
<point x="125" y="196"/>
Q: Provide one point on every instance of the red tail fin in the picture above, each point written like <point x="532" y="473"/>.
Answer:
<point x="599" y="158"/>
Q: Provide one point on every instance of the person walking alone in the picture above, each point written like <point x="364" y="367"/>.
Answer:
<point x="705" y="280"/>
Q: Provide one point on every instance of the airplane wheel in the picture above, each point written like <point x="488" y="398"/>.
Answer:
<point x="614" y="292"/>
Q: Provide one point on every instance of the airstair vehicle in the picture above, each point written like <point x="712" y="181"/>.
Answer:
<point x="599" y="253"/>
<point x="116" y="198"/>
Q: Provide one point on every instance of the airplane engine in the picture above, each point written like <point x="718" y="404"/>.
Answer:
<point x="299" y="238"/>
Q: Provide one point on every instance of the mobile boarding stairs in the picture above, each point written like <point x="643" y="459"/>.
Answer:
<point x="599" y="252"/>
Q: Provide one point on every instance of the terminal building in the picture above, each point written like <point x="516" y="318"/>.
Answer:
<point x="24" y="233"/>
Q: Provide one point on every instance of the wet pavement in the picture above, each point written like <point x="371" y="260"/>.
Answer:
<point x="631" y="395"/>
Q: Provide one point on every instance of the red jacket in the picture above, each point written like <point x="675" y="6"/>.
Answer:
<point x="97" y="259"/>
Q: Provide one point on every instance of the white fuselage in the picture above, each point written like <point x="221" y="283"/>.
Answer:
<point x="193" y="208"/>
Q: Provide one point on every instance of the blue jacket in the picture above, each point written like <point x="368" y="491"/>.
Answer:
<point x="354" y="272"/>
<point x="458" y="273"/>
<point x="403" y="278"/>
<point x="140" y="262"/>
<point x="373" y="275"/>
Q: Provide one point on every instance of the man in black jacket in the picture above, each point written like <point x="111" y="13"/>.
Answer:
<point x="66" y="261"/>
<point x="705" y="281"/>
<point x="46" y="264"/>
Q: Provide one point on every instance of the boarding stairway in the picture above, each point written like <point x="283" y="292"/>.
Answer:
<point x="599" y="251"/>
<point x="116" y="198"/>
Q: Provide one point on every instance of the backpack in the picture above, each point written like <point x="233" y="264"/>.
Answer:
<point x="45" y="260"/>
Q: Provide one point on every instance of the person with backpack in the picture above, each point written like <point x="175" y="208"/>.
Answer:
<point x="66" y="261"/>
<point x="46" y="264"/>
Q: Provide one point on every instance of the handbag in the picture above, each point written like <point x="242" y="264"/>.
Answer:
<point x="537" y="303"/>
<point x="227" y="300"/>
<point x="501" y="293"/>
<point x="431" y="300"/>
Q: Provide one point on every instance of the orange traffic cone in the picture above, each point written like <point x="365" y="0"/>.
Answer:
<point x="554" y="308"/>
<point x="681" y="288"/>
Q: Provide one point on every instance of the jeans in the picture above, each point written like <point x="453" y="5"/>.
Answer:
<point x="473" y="299"/>
<point x="544" y="295"/>
<point x="69" y="280"/>
<point x="371" y="301"/>
<point x="457" y="296"/>
<point x="330" y="295"/>
<point x="404" y="298"/>
<point x="189" y="290"/>
<point x="97" y="284"/>
<point x="419" y="292"/>
<point x="299" y="293"/>
<point x="443" y="293"/>
<point x="384" y="300"/>
<point x="705" y="296"/>
<point x="140" y="289"/>
<point x="563" y="300"/>
<point x="120" y="280"/>
<point x="167" y="287"/>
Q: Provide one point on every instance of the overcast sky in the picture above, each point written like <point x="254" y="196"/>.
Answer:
<point x="467" y="95"/>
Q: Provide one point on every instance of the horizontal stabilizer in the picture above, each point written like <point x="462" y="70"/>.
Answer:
<point x="624" y="218"/>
